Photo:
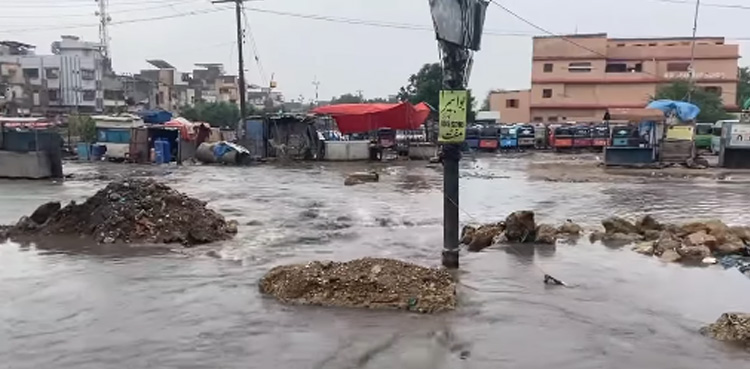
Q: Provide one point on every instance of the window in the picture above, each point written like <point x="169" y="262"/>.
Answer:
<point x="652" y="44"/>
<point x="547" y="93"/>
<point x="552" y="119"/>
<point x="583" y="67"/>
<point x="637" y="68"/>
<point x="53" y="95"/>
<point x="32" y="73"/>
<point x="678" y="67"/>
<point x="88" y="74"/>
<point x="620" y="45"/>
<point x="538" y="119"/>
<point x="511" y="103"/>
<point x="89" y="95"/>
<point x="52" y="73"/>
<point x="720" y="42"/>
<point x="547" y="67"/>
<point x="616" y="68"/>
<point x="713" y="89"/>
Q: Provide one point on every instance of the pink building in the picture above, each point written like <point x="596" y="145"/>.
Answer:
<point x="578" y="77"/>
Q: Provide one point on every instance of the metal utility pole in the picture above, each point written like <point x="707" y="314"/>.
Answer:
<point x="691" y="72"/>
<point x="241" y="59"/>
<point x="104" y="20"/>
<point x="458" y="28"/>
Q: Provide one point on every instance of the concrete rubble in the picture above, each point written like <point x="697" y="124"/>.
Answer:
<point x="730" y="327"/>
<point x="363" y="283"/>
<point x="361" y="177"/>
<point x="129" y="211"/>
<point x="518" y="227"/>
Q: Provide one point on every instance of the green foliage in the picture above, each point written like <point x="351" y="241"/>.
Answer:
<point x="743" y="86"/>
<point x="425" y="87"/>
<point x="711" y="104"/>
<point x="84" y="127"/>
<point x="219" y="114"/>
<point x="346" y="99"/>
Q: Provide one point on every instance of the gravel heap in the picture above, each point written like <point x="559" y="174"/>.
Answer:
<point x="134" y="210"/>
<point x="363" y="283"/>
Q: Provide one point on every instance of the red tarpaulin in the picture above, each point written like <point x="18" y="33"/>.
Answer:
<point x="358" y="118"/>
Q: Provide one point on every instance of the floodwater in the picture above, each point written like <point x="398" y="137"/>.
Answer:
<point x="136" y="309"/>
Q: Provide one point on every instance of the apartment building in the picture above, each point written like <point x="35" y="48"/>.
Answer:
<point x="70" y="78"/>
<point x="579" y="77"/>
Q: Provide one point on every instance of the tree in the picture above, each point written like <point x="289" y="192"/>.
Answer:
<point x="83" y="127"/>
<point x="710" y="103"/>
<point x="425" y="87"/>
<point x="743" y="86"/>
<point x="346" y="99"/>
<point x="218" y="114"/>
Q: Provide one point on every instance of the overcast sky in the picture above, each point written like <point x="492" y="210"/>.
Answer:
<point x="347" y="57"/>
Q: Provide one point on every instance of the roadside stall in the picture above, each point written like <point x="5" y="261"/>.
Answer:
<point x="30" y="148"/>
<point x="369" y="118"/>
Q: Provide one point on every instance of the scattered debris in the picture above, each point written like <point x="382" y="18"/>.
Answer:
<point x="730" y="327"/>
<point x="135" y="210"/>
<point x="361" y="177"/>
<point x="363" y="283"/>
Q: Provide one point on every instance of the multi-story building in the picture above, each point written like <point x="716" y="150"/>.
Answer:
<point x="579" y="77"/>
<point x="173" y="89"/>
<point x="70" y="78"/>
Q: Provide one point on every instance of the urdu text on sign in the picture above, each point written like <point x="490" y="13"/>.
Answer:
<point x="453" y="116"/>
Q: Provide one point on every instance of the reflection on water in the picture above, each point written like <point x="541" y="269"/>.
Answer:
<point x="114" y="308"/>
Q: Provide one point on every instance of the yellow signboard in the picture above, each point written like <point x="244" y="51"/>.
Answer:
<point x="453" y="113"/>
<point x="680" y="133"/>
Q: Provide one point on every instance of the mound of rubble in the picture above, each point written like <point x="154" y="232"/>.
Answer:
<point x="693" y="242"/>
<point x="134" y="210"/>
<point x="363" y="283"/>
<point x="518" y="227"/>
<point x="730" y="327"/>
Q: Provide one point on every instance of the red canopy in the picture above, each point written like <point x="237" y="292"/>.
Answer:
<point x="357" y="118"/>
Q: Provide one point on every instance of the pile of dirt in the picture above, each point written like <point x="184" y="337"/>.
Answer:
<point x="363" y="283"/>
<point x="730" y="327"/>
<point x="134" y="210"/>
<point x="518" y="227"/>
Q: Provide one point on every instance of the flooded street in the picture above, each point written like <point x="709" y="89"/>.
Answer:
<point x="141" y="308"/>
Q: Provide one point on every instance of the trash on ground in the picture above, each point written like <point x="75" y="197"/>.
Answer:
<point x="133" y="210"/>
<point x="363" y="283"/>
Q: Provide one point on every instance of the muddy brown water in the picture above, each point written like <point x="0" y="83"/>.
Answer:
<point x="138" y="308"/>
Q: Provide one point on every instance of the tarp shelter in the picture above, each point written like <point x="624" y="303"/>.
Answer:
<point x="155" y="116"/>
<point x="684" y="110"/>
<point x="358" y="118"/>
<point x="187" y="131"/>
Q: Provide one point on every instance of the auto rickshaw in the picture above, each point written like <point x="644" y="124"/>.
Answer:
<point x="508" y="137"/>
<point x="526" y="136"/>
<point x="561" y="137"/>
<point x="541" y="137"/>
<point x="703" y="134"/>
<point x="488" y="138"/>
<point x="582" y="137"/>
<point x="625" y="136"/>
<point x="600" y="134"/>
<point x="472" y="138"/>
<point x="384" y="140"/>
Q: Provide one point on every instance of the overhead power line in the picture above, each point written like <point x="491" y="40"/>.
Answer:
<point x="127" y="21"/>
<point x="708" y="5"/>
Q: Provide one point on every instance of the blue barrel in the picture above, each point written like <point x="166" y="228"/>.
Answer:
<point x="166" y="151"/>
<point x="98" y="151"/>
<point x="83" y="150"/>
<point x="158" y="151"/>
